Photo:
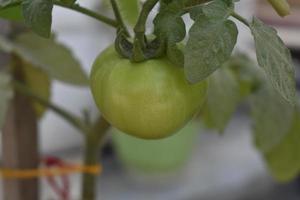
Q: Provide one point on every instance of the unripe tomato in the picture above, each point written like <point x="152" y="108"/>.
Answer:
<point x="149" y="100"/>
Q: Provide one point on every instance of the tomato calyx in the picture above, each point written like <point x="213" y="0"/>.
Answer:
<point x="154" y="48"/>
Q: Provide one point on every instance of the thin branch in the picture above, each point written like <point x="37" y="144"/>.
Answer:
<point x="119" y="17"/>
<point x="140" y="27"/>
<point x="240" y="18"/>
<point x="78" y="8"/>
<point x="75" y="121"/>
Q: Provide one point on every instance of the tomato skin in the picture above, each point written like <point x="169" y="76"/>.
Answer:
<point x="149" y="100"/>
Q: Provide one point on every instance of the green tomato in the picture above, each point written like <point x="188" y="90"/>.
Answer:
<point x="148" y="100"/>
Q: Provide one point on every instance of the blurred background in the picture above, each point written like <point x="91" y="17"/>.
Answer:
<point x="194" y="164"/>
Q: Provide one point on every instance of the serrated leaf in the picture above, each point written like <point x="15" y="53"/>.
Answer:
<point x="38" y="16"/>
<point x="272" y="118"/>
<point x="55" y="59"/>
<point x="6" y="92"/>
<point x="275" y="58"/>
<point x="129" y="10"/>
<point x="283" y="160"/>
<point x="210" y="44"/>
<point x="216" y="9"/>
<point x="222" y="99"/>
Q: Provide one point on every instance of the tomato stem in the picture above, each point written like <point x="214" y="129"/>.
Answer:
<point x="119" y="17"/>
<point x="140" y="28"/>
<point x="93" y="142"/>
<point x="78" y="8"/>
<point x="240" y="18"/>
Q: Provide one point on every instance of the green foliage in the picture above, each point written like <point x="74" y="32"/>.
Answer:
<point x="209" y="46"/>
<point x="275" y="58"/>
<point x="38" y="16"/>
<point x="170" y="27"/>
<point x="211" y="41"/>
<point x="55" y="59"/>
<point x="284" y="159"/>
<point x="272" y="117"/>
<point x="222" y="99"/>
<point x="6" y="92"/>
<point x="11" y="13"/>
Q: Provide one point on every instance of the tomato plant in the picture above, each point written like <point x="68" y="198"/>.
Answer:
<point x="150" y="86"/>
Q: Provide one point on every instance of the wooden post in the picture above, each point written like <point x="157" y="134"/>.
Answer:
<point x="20" y="149"/>
<point x="19" y="140"/>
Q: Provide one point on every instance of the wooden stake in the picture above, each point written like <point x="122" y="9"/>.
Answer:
<point x="19" y="138"/>
<point x="20" y="149"/>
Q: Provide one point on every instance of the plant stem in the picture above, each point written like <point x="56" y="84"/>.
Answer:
<point x="119" y="17"/>
<point x="78" y="8"/>
<point x="240" y="18"/>
<point x="76" y="122"/>
<point x="140" y="27"/>
<point x="92" y="146"/>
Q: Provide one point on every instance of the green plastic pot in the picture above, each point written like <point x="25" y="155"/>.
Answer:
<point x="161" y="155"/>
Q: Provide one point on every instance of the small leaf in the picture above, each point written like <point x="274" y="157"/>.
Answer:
<point x="284" y="159"/>
<point x="275" y="58"/>
<point x="55" y="59"/>
<point x="210" y="44"/>
<point x="38" y="16"/>
<point x="272" y="117"/>
<point x="222" y="99"/>
<point x="6" y="92"/>
<point x="129" y="10"/>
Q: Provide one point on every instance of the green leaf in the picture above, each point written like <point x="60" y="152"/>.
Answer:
<point x="222" y="99"/>
<point x="11" y="13"/>
<point x="129" y="10"/>
<point x="38" y="16"/>
<point x="169" y="26"/>
<point x="55" y="59"/>
<point x="210" y="44"/>
<point x="284" y="159"/>
<point x="248" y="74"/>
<point x="275" y="58"/>
<point x="217" y="9"/>
<point x="272" y="117"/>
<point x="6" y="92"/>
